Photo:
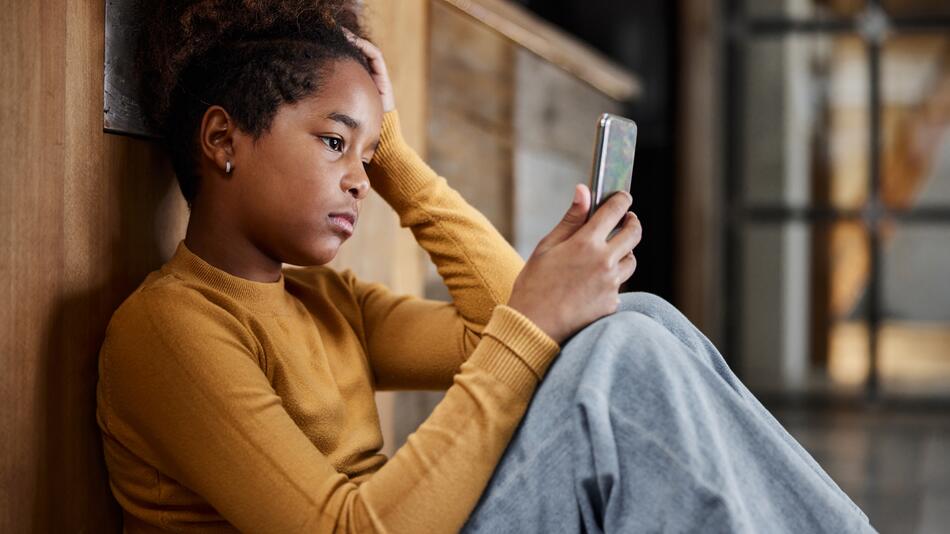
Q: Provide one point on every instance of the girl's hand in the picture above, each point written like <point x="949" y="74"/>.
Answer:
<point x="574" y="274"/>
<point x="378" y="69"/>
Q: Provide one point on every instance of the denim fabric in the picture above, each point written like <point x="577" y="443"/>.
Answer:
<point x="640" y="426"/>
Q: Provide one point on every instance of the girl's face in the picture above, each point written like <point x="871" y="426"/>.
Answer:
<point x="298" y="183"/>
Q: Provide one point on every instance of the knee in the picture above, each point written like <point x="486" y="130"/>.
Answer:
<point x="648" y="304"/>
<point x="644" y="327"/>
<point x="625" y="350"/>
<point x="658" y="309"/>
<point x="670" y="324"/>
<point x="627" y="333"/>
<point x="620" y="346"/>
<point x="630" y="321"/>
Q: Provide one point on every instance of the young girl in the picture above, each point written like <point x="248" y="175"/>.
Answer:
<point x="235" y="395"/>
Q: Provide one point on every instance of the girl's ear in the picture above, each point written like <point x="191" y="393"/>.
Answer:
<point x="216" y="138"/>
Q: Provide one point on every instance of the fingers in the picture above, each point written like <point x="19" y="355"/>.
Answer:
<point x="629" y="236"/>
<point x="370" y="50"/>
<point x="573" y="220"/>
<point x="378" y="67"/>
<point x="357" y="40"/>
<point x="608" y="215"/>
<point x="372" y="53"/>
<point x="576" y="214"/>
<point x="626" y="267"/>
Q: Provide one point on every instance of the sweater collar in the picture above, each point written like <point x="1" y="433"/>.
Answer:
<point x="262" y="295"/>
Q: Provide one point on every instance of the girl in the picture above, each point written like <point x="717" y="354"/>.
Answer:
<point x="238" y="395"/>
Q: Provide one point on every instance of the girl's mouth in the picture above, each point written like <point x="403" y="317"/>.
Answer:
<point x="342" y="224"/>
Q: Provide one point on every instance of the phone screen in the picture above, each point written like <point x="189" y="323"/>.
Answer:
<point x="613" y="158"/>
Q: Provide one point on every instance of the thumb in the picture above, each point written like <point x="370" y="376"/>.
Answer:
<point x="575" y="217"/>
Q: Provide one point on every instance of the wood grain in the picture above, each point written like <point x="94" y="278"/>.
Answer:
<point x="84" y="216"/>
<point x="553" y="45"/>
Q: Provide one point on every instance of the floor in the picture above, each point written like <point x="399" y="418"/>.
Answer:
<point x="894" y="464"/>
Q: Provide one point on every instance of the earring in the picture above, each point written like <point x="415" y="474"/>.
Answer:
<point x="227" y="167"/>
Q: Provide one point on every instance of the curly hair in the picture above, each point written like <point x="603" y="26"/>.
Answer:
<point x="248" y="56"/>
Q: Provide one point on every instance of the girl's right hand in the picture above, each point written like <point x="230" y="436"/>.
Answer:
<point x="377" y="65"/>
<point x="573" y="276"/>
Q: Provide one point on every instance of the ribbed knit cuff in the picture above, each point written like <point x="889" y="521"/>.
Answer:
<point x="515" y="350"/>
<point x="397" y="171"/>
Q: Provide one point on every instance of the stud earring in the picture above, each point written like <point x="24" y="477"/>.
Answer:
<point x="227" y="167"/>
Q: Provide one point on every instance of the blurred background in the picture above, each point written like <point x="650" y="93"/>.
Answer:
<point x="792" y="176"/>
<point x="793" y="179"/>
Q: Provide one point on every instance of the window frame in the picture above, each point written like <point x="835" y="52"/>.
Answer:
<point x="738" y="31"/>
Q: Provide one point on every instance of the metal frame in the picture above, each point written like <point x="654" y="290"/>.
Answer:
<point x="872" y="25"/>
<point x="122" y="111"/>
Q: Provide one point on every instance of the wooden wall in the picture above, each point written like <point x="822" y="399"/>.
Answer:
<point x="84" y="216"/>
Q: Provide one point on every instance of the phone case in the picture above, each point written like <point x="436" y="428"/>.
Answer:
<point x="614" y="151"/>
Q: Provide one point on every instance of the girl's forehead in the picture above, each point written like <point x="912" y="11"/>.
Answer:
<point x="347" y="95"/>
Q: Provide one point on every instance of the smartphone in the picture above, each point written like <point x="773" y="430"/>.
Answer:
<point x="613" y="160"/>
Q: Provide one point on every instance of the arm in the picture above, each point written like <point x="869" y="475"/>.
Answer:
<point x="194" y="402"/>
<point x="476" y="263"/>
<point x="411" y="343"/>
<point x="417" y="343"/>
<point x="576" y="260"/>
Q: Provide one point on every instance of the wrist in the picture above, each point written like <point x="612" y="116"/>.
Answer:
<point x="539" y="319"/>
<point x="392" y="145"/>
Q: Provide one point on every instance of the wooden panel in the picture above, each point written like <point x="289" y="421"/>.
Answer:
<point x="553" y="45"/>
<point x="470" y="123"/>
<point x="31" y="149"/>
<point x="84" y="216"/>
<point x="699" y="270"/>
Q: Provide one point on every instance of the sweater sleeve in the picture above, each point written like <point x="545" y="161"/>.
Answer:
<point x="408" y="338"/>
<point x="411" y="343"/>
<point x="476" y="263"/>
<point x="182" y="383"/>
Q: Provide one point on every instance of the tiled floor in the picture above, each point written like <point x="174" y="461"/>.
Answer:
<point x="894" y="465"/>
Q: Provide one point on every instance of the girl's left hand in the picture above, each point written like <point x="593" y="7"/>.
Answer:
<point x="377" y="69"/>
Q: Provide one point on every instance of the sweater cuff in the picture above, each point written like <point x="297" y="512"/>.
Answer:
<point x="516" y="351"/>
<point x="396" y="171"/>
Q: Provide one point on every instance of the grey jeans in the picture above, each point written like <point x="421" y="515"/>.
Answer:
<point x="640" y="426"/>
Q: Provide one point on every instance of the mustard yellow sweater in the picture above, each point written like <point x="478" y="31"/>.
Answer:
<point x="230" y="404"/>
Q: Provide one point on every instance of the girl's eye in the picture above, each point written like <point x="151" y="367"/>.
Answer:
<point x="333" y="143"/>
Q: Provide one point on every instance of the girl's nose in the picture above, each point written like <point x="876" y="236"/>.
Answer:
<point x="356" y="183"/>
